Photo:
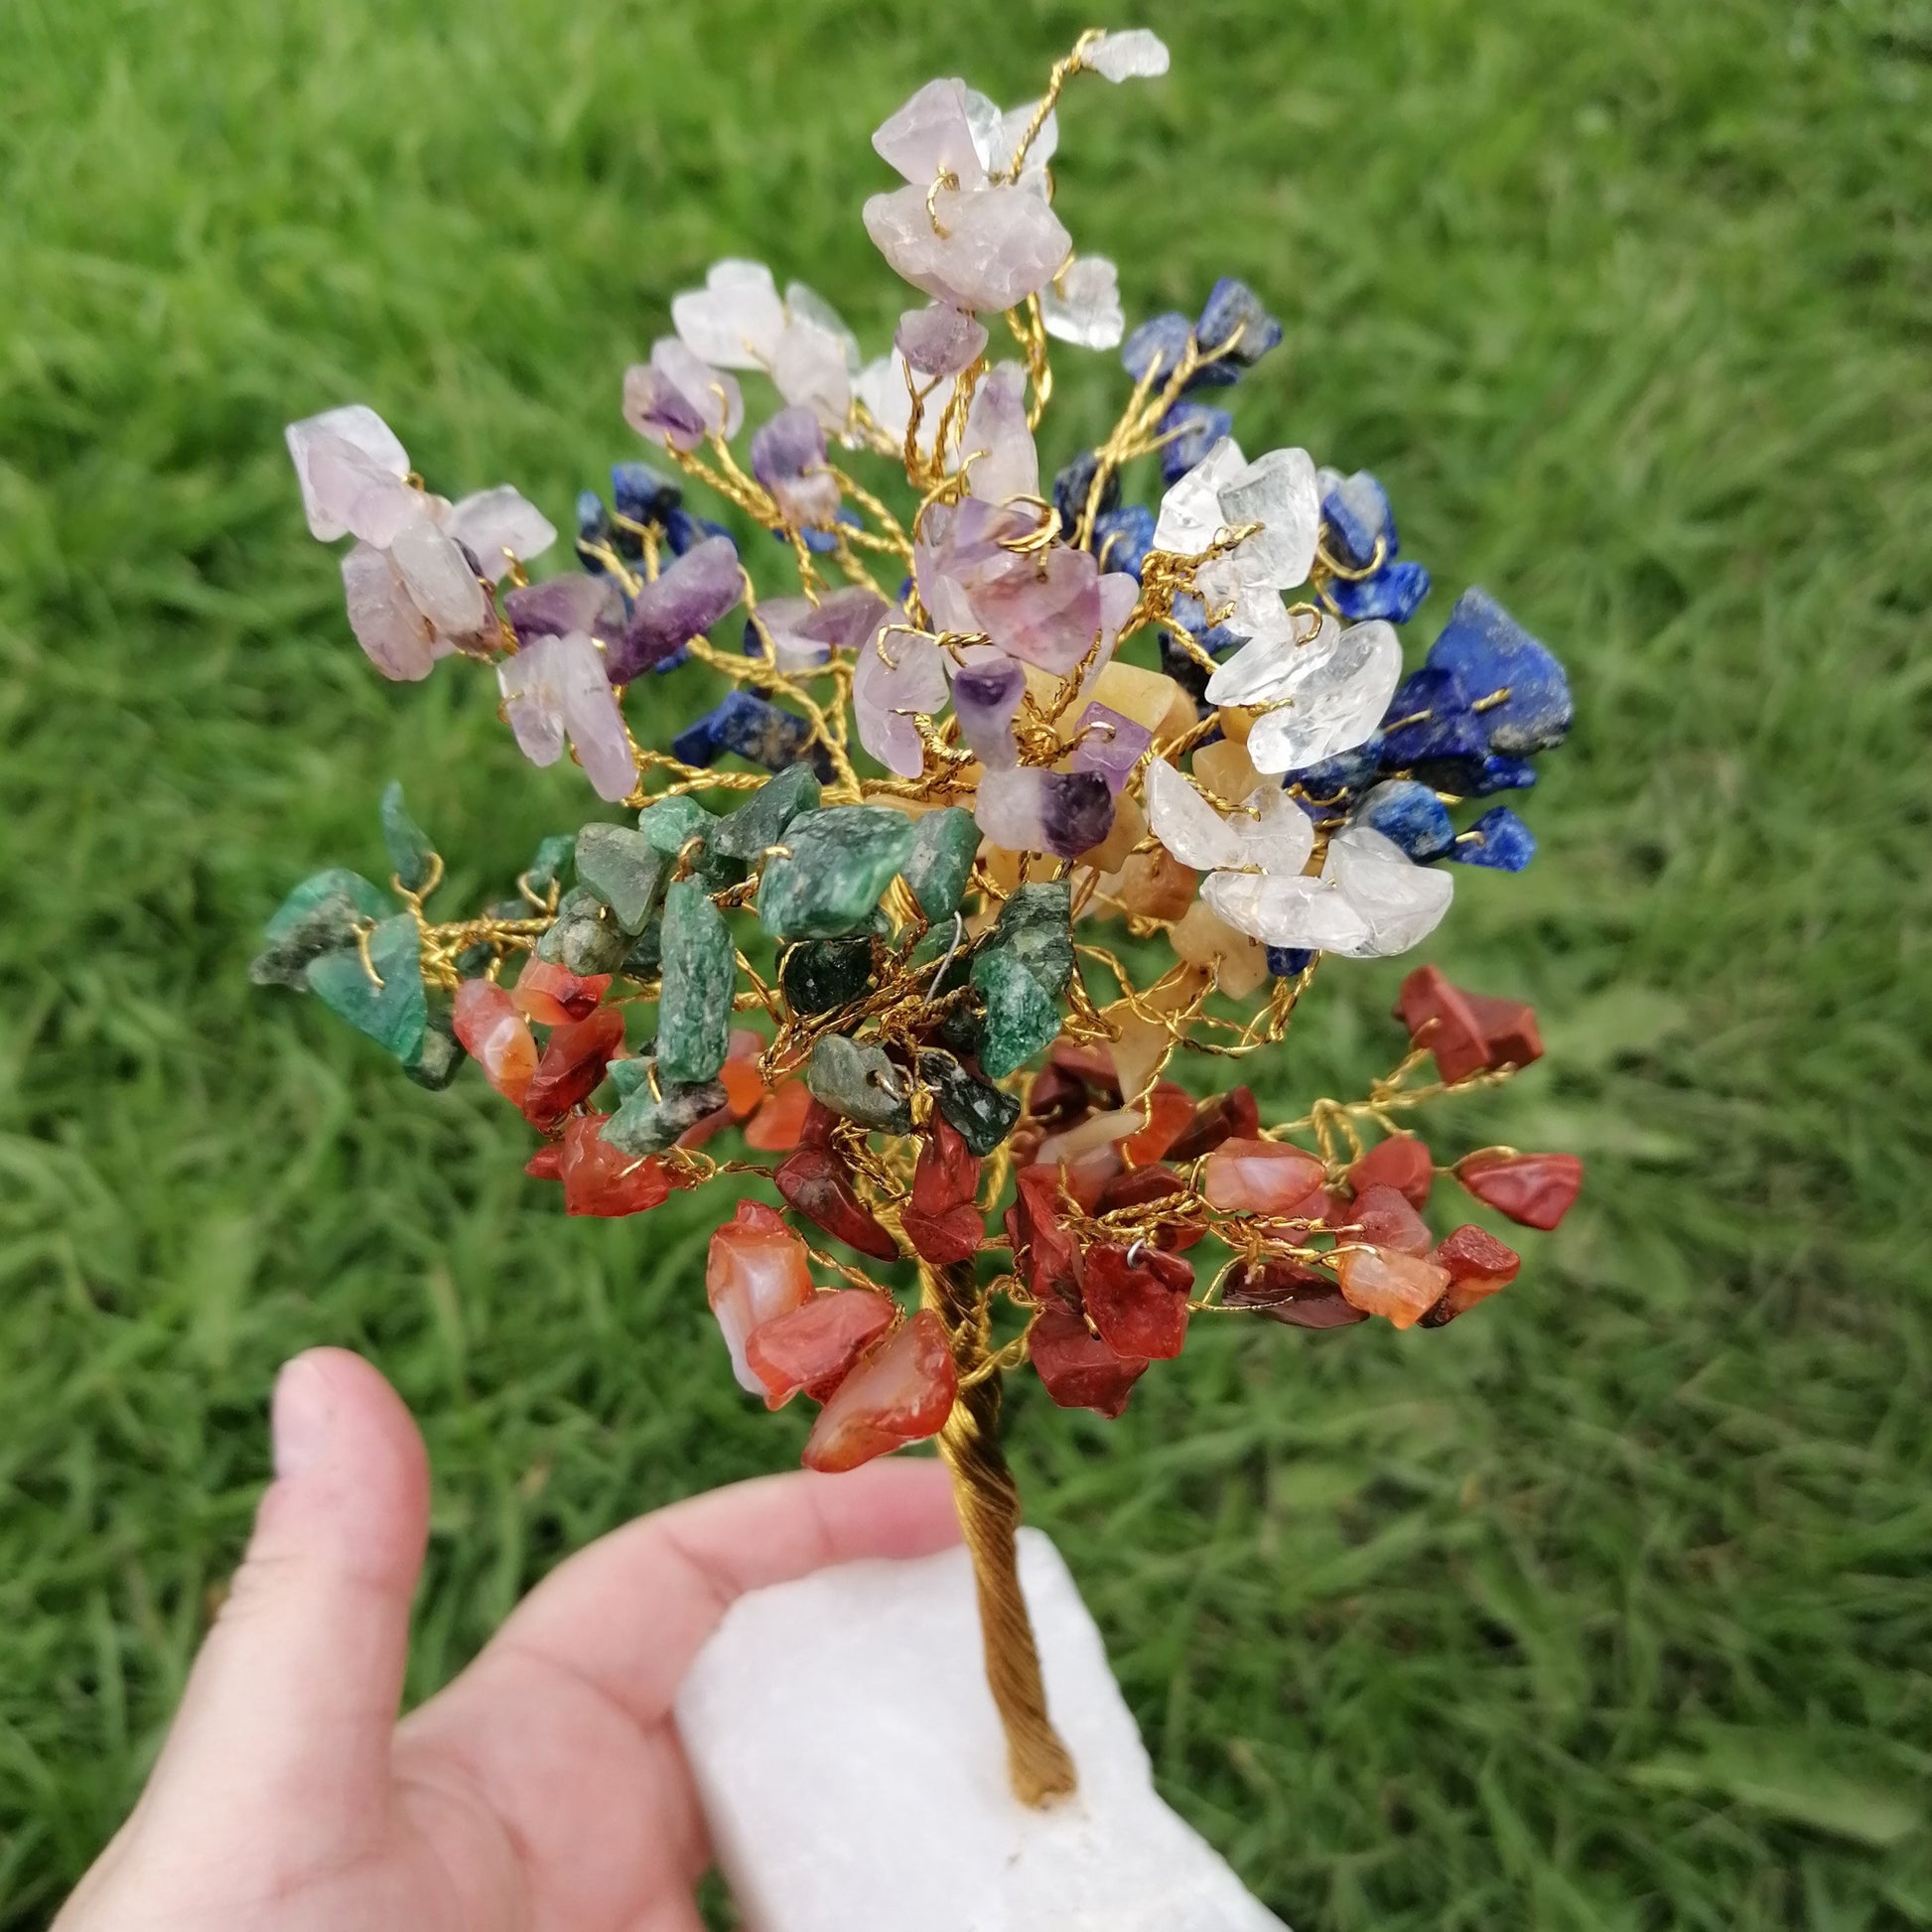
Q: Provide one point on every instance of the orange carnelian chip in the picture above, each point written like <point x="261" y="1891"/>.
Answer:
<point x="755" y="1270"/>
<point x="1379" y="1280"/>
<point x="900" y="1391"/>
<point x="552" y="996"/>
<point x="778" y="1125"/>
<point x="1258" y="1176"/>
<point x="495" y="1036"/>
<point x="603" y="1179"/>
<point x="813" y="1346"/>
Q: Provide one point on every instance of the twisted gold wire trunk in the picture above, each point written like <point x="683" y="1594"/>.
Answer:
<point x="989" y="1513"/>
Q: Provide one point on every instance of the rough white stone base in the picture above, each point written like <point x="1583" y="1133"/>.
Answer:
<point x="853" y="1768"/>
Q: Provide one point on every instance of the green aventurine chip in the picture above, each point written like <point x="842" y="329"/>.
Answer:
<point x="1035" y="927"/>
<point x="859" y="1082"/>
<point x="583" y="941"/>
<point x="700" y="968"/>
<point x="944" y="845"/>
<point x="761" y="820"/>
<point x="669" y="822"/>
<point x="396" y="1013"/>
<point x="1022" y="1017"/>
<point x="840" y="860"/>
<point x="648" y="1123"/>
<point x="337" y="883"/>
<point x="550" y="861"/>
<point x="411" y="855"/>
<point x="624" y="870"/>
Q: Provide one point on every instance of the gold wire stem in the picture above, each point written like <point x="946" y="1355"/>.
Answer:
<point x="1064" y="72"/>
<point x="1037" y="1762"/>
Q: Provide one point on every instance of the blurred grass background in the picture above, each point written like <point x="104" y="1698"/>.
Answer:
<point x="1605" y="1607"/>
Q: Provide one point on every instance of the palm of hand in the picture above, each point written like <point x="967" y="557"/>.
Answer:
<point x="545" y="1790"/>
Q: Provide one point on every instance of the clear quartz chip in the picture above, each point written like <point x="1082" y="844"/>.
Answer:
<point x="1133" y="54"/>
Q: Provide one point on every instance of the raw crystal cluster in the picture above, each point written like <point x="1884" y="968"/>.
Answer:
<point x="849" y="934"/>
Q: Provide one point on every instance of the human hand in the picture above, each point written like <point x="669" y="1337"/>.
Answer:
<point x="544" y="1790"/>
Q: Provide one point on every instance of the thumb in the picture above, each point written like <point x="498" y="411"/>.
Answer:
<point x="291" y="1703"/>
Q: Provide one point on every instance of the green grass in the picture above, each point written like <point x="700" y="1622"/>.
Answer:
<point x="1606" y="1607"/>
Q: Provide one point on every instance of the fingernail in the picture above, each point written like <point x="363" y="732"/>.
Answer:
<point x="298" y="1417"/>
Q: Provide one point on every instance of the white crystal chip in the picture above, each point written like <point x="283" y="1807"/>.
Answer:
<point x="1185" y="823"/>
<point x="1274" y="833"/>
<point x="1133" y="54"/>
<point x="1279" y="491"/>
<point x="1370" y="901"/>
<point x="1330" y="704"/>
<point x="817" y="1705"/>
<point x="1081" y="303"/>
<point x="1400" y="901"/>
<point x="1275" y="653"/>
<point x="1190" y="512"/>
<point x="1307" y="913"/>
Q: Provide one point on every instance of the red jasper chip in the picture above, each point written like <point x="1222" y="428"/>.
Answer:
<point x="1384" y="1220"/>
<point x="940" y="1219"/>
<point x="1076" y="1368"/>
<point x="1536" y="1190"/>
<point x="573" y="1065"/>
<point x="1403" y="1163"/>
<point x="1465" y="1032"/>
<point x="1286" y="1290"/>
<point x="1170" y="1114"/>
<point x="812" y="1348"/>
<point x="1140" y="1187"/>
<point x="779" y="1122"/>
<point x="1058" y="1098"/>
<point x="603" y="1179"/>
<point x="1140" y="1307"/>
<point x="553" y="996"/>
<point x="546" y="1164"/>
<point x="816" y="1183"/>
<point x="1093" y="1065"/>
<point x="1478" y="1265"/>
<point x="1043" y="1250"/>
<point x="900" y="1391"/>
<point x="1227" y="1116"/>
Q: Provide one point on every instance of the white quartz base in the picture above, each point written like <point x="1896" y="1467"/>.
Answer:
<point x="853" y="1768"/>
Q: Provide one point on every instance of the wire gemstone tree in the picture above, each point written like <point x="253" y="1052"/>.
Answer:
<point x="989" y="726"/>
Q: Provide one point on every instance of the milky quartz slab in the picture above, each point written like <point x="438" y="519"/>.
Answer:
<point x="853" y="1769"/>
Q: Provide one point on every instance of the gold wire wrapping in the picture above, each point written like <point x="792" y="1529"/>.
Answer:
<point x="1038" y="1763"/>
